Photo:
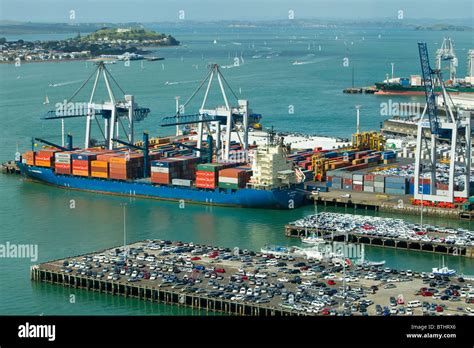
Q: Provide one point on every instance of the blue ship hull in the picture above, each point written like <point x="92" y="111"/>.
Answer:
<point x="285" y="198"/>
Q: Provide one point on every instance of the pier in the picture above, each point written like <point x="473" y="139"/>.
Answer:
<point x="399" y="204"/>
<point x="360" y="90"/>
<point x="10" y="167"/>
<point x="384" y="242"/>
<point x="235" y="282"/>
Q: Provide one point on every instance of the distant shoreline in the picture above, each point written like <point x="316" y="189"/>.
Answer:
<point x="46" y="61"/>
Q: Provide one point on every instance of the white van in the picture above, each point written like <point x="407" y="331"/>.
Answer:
<point x="414" y="304"/>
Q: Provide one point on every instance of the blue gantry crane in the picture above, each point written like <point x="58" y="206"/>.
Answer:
<point x="453" y="128"/>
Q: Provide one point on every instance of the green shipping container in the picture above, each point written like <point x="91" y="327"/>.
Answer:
<point x="209" y="167"/>
<point x="225" y="185"/>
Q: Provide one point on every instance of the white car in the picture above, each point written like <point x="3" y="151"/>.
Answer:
<point x="414" y="304"/>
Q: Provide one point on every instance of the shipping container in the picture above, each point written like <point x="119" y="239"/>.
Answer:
<point x="393" y="191"/>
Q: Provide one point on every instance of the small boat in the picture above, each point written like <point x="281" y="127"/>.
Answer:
<point x="46" y="101"/>
<point x="443" y="271"/>
<point x="371" y="263"/>
<point x="281" y="250"/>
<point x="313" y="239"/>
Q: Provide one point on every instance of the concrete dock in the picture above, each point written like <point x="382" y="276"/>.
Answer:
<point x="384" y="202"/>
<point x="237" y="282"/>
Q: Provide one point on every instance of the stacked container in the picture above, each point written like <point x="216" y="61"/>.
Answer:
<point x="347" y="181"/>
<point x="29" y="158"/>
<point x="395" y="185"/>
<point x="379" y="183"/>
<point x="125" y="166"/>
<point x="336" y="182"/>
<point x="100" y="169"/>
<point x="358" y="182"/>
<point x="81" y="163"/>
<point x="45" y="158"/>
<point x="369" y="183"/>
<point x="207" y="174"/>
<point x="234" y="178"/>
<point x="165" y="170"/>
<point x="389" y="157"/>
<point x="62" y="163"/>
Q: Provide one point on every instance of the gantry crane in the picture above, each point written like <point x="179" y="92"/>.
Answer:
<point x="446" y="53"/>
<point x="217" y="119"/>
<point x="113" y="112"/>
<point x="457" y="129"/>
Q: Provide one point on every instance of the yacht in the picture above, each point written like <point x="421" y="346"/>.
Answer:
<point x="443" y="271"/>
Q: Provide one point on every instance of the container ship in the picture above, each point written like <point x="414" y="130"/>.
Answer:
<point x="178" y="168"/>
<point x="414" y="85"/>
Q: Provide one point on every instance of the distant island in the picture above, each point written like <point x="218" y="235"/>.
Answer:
<point x="124" y="43"/>
<point x="445" y="27"/>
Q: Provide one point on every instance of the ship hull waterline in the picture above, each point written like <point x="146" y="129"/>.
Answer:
<point x="285" y="198"/>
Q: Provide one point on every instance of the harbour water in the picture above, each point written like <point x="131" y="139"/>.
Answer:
<point x="38" y="214"/>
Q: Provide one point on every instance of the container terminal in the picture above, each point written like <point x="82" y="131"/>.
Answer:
<point x="248" y="167"/>
<point x="243" y="282"/>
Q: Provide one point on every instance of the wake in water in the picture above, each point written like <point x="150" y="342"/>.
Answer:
<point x="313" y="61"/>
<point x="64" y="83"/>
<point x="168" y="83"/>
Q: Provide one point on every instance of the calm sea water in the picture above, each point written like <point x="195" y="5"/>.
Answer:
<point x="35" y="214"/>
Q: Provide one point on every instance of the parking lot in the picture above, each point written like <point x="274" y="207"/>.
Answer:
<point x="294" y="284"/>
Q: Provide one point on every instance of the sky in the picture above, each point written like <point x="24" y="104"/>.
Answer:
<point x="212" y="10"/>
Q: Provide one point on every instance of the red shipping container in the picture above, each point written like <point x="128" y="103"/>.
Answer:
<point x="369" y="177"/>
<point x="63" y="171"/>
<point x="357" y="187"/>
<point x="347" y="181"/>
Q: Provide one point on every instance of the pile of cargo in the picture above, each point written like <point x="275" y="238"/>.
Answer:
<point x="396" y="185"/>
<point x="345" y="180"/>
<point x="62" y="162"/>
<point x="81" y="163"/>
<point x="45" y="158"/>
<point x="234" y="178"/>
<point x="178" y="171"/>
<point x="350" y="160"/>
<point x="207" y="175"/>
<point x="29" y="158"/>
<point x="100" y="169"/>
<point x="127" y="165"/>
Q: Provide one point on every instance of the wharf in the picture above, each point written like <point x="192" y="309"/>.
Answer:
<point x="381" y="241"/>
<point x="10" y="167"/>
<point x="360" y="90"/>
<point x="210" y="268"/>
<point x="385" y="203"/>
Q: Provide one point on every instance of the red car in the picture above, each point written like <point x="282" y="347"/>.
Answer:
<point x="331" y="282"/>
<point x="195" y="258"/>
<point x="439" y="309"/>
<point x="219" y="270"/>
<point x="325" y="311"/>
<point x="426" y="293"/>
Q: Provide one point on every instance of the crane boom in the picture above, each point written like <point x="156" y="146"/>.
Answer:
<point x="428" y="77"/>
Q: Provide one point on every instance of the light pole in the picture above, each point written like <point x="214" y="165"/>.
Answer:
<point x="358" y="118"/>
<point x="124" y="205"/>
